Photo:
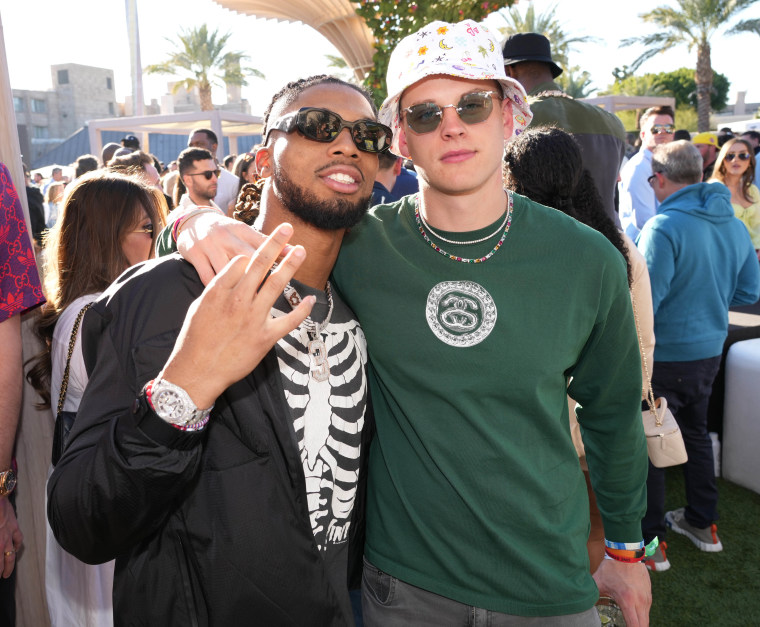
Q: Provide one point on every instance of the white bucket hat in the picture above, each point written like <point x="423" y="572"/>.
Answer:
<point x="466" y="50"/>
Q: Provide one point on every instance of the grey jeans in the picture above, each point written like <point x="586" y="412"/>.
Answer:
<point x="389" y="602"/>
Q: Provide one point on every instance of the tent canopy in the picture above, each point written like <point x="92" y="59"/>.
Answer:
<point x="224" y="123"/>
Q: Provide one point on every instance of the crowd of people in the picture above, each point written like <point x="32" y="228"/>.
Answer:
<point x="338" y="415"/>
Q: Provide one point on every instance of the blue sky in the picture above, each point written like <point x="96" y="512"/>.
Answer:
<point x="45" y="32"/>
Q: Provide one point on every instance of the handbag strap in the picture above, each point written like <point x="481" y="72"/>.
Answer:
<point x="72" y="342"/>
<point x="650" y="392"/>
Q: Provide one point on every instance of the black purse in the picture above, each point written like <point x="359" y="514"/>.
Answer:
<point x="64" y="420"/>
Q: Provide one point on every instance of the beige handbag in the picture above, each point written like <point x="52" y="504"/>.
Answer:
<point x="664" y="440"/>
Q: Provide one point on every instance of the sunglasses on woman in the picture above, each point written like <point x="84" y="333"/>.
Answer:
<point x="472" y="108"/>
<point x="742" y="156"/>
<point x="207" y="174"/>
<point x="146" y="228"/>
<point x="322" y="125"/>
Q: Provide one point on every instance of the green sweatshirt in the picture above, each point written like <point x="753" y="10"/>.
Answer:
<point x="475" y="491"/>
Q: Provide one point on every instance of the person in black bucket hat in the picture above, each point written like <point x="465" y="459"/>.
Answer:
<point x="528" y="60"/>
<point x="529" y="47"/>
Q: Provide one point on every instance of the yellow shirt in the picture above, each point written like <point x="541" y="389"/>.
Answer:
<point x="750" y="216"/>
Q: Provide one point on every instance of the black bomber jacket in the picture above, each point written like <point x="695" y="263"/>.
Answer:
<point x="207" y="528"/>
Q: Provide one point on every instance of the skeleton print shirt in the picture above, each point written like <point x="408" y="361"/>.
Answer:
<point x="325" y="383"/>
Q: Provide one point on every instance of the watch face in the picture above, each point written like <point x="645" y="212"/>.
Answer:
<point x="7" y="482"/>
<point x="169" y="405"/>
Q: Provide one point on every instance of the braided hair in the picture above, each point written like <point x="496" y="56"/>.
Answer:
<point x="545" y="164"/>
<point x="247" y="205"/>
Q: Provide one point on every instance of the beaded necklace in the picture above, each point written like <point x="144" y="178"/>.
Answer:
<point x="421" y="228"/>
<point x="471" y="242"/>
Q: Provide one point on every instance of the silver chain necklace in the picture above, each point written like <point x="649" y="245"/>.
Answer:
<point x="498" y="230"/>
<point x="317" y="349"/>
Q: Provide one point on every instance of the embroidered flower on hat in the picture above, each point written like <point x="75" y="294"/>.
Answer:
<point x="465" y="50"/>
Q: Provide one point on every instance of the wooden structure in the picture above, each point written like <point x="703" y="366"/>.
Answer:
<point x="336" y="20"/>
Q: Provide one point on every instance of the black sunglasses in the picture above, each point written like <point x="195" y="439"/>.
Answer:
<point x="473" y="108"/>
<point x="207" y="174"/>
<point x="322" y="125"/>
<point x="668" y="129"/>
<point x="742" y="156"/>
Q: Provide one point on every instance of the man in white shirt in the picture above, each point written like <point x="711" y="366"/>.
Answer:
<point x="200" y="174"/>
<point x="637" y="201"/>
<point x="228" y="183"/>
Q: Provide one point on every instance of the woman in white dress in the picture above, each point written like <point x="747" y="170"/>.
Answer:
<point x="107" y="223"/>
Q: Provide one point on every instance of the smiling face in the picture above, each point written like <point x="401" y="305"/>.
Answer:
<point x="456" y="157"/>
<point x="325" y="184"/>
<point x="649" y="139"/>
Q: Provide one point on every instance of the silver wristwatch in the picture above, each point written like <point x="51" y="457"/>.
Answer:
<point x="175" y="406"/>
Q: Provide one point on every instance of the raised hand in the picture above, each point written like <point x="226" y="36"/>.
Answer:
<point x="229" y="329"/>
<point x="209" y="241"/>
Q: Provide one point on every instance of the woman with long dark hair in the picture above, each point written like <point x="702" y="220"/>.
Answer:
<point x="107" y="223"/>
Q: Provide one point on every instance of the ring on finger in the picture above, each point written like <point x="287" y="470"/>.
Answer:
<point x="7" y="553"/>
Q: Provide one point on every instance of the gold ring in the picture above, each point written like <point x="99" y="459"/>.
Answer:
<point x="7" y="553"/>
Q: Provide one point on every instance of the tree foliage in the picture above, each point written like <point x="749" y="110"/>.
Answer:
<point x="680" y="83"/>
<point x="746" y="26"/>
<point x="631" y="85"/>
<point x="575" y="83"/>
<point x="693" y="23"/>
<point x="546" y="24"/>
<point x="392" y="20"/>
<point x="200" y="60"/>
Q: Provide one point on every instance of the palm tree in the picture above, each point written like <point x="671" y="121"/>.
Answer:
<point x="693" y="23"/>
<point x="547" y="25"/>
<point x="575" y="83"/>
<point x="201" y="58"/>
<point x="746" y="26"/>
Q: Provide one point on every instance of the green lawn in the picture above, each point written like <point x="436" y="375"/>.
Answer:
<point x="711" y="589"/>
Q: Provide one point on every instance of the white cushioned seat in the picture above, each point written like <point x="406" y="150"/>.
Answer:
<point x="741" y="415"/>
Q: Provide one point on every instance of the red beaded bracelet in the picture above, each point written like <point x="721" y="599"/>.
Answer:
<point x="629" y="557"/>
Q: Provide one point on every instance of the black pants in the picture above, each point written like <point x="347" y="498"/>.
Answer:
<point x="687" y="386"/>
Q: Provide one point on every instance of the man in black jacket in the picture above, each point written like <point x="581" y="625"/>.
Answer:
<point x="218" y="453"/>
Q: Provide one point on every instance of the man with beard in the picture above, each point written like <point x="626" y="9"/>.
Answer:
<point x="476" y="508"/>
<point x="219" y="450"/>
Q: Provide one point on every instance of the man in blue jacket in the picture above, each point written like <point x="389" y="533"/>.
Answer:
<point x="701" y="262"/>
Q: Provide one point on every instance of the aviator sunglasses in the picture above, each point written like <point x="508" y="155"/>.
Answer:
<point x="742" y="156"/>
<point x="207" y="174"/>
<point x="657" y="129"/>
<point x="322" y="125"/>
<point x="472" y="108"/>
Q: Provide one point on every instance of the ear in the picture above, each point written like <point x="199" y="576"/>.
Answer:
<point x="397" y="167"/>
<point x="263" y="162"/>
<point x="508" y="119"/>
<point x="403" y="147"/>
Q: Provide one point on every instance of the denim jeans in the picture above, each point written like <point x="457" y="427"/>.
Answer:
<point x="389" y="602"/>
<point x="687" y="386"/>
